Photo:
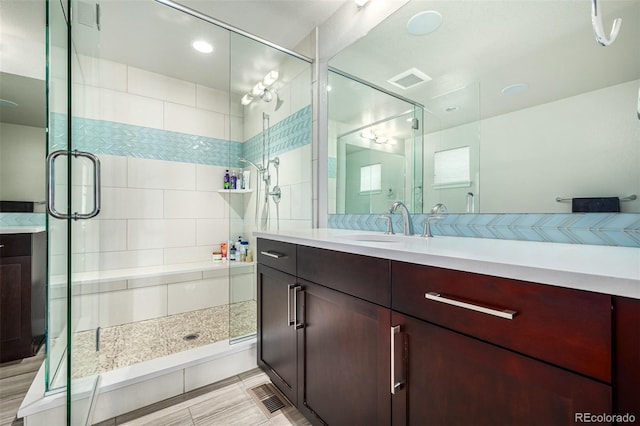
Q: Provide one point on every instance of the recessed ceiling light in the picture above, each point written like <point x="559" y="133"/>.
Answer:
<point x="202" y="46"/>
<point x="424" y="22"/>
<point x="514" y="89"/>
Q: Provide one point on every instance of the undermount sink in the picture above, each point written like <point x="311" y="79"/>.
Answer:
<point x="377" y="238"/>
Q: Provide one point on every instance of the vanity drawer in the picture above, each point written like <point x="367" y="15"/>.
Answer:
<point x="15" y="245"/>
<point x="569" y="328"/>
<point x="361" y="276"/>
<point x="278" y="255"/>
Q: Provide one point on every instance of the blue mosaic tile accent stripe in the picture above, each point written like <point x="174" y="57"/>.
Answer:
<point x="609" y="229"/>
<point x="291" y="133"/>
<point x="105" y="137"/>
<point x="21" y="219"/>
<point x="333" y="168"/>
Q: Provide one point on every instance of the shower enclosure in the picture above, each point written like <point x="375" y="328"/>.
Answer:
<point x="141" y="130"/>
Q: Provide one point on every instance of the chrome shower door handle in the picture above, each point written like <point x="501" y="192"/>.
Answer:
<point x="51" y="184"/>
<point x="97" y="195"/>
<point x="51" y="190"/>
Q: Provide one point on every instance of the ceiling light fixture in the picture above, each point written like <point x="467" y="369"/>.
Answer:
<point x="262" y="90"/>
<point x="380" y="139"/>
<point x="202" y="46"/>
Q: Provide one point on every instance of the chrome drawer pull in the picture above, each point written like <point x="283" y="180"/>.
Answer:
<point x="437" y="297"/>
<point x="394" y="385"/>
<point x="273" y="254"/>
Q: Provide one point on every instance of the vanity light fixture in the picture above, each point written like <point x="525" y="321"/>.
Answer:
<point x="380" y="139"/>
<point x="246" y="99"/>
<point x="261" y="89"/>
<point x="202" y="46"/>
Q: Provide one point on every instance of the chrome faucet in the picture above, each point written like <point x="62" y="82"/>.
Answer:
<point x="439" y="209"/>
<point x="406" y="216"/>
<point x="427" y="225"/>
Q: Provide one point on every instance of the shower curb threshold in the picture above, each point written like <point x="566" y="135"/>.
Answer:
<point x="38" y="401"/>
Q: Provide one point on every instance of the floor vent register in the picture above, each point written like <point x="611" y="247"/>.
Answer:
<point x="268" y="399"/>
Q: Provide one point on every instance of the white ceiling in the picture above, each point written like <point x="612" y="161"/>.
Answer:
<point x="154" y="37"/>
<point x="483" y="46"/>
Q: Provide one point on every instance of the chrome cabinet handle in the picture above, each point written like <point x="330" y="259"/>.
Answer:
<point x="289" y="289"/>
<point x="292" y="318"/>
<point x="273" y="254"/>
<point x="437" y="297"/>
<point x="51" y="191"/>
<point x="395" y="385"/>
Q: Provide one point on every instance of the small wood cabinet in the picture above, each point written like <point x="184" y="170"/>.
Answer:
<point x="327" y="350"/>
<point x="22" y="294"/>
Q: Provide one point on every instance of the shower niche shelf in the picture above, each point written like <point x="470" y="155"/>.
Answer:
<point x="235" y="191"/>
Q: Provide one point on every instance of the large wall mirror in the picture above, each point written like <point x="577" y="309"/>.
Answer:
<point x="523" y="109"/>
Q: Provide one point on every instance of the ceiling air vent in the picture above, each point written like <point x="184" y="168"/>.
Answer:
<point x="408" y="79"/>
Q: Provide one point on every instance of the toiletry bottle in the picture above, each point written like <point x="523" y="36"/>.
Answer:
<point x="227" y="180"/>
<point x="245" y="249"/>
<point x="232" y="252"/>
<point x="234" y="180"/>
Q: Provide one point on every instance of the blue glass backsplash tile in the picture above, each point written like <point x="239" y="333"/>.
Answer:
<point x="609" y="229"/>
<point x="21" y="219"/>
<point x="333" y="168"/>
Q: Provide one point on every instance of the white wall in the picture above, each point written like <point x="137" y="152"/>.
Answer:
<point x="583" y="146"/>
<point x="20" y="146"/>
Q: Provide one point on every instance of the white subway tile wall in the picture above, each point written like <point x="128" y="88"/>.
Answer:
<point x="162" y="212"/>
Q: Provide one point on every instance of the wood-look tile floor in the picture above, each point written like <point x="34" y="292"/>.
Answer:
<point x="15" y="379"/>
<point x="226" y="403"/>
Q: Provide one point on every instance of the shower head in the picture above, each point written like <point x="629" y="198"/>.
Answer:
<point x="244" y="160"/>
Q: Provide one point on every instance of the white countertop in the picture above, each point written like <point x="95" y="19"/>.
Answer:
<point x="26" y="229"/>
<point x="602" y="269"/>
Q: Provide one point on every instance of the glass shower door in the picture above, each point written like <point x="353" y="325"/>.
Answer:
<point x="72" y="198"/>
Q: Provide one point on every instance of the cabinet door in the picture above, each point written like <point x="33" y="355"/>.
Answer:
<point x="627" y="353"/>
<point x="15" y="308"/>
<point x="452" y="379"/>
<point x="277" y="350"/>
<point x="345" y="359"/>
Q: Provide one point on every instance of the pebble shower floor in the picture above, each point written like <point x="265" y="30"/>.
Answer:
<point x="128" y="344"/>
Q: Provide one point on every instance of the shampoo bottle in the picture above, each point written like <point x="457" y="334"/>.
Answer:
<point x="234" y="180"/>
<point x="227" y="180"/>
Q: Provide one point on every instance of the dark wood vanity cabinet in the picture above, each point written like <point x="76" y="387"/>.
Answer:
<point x="626" y="316"/>
<point x="356" y="340"/>
<point x="530" y="354"/>
<point x="22" y="294"/>
<point x="321" y="339"/>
